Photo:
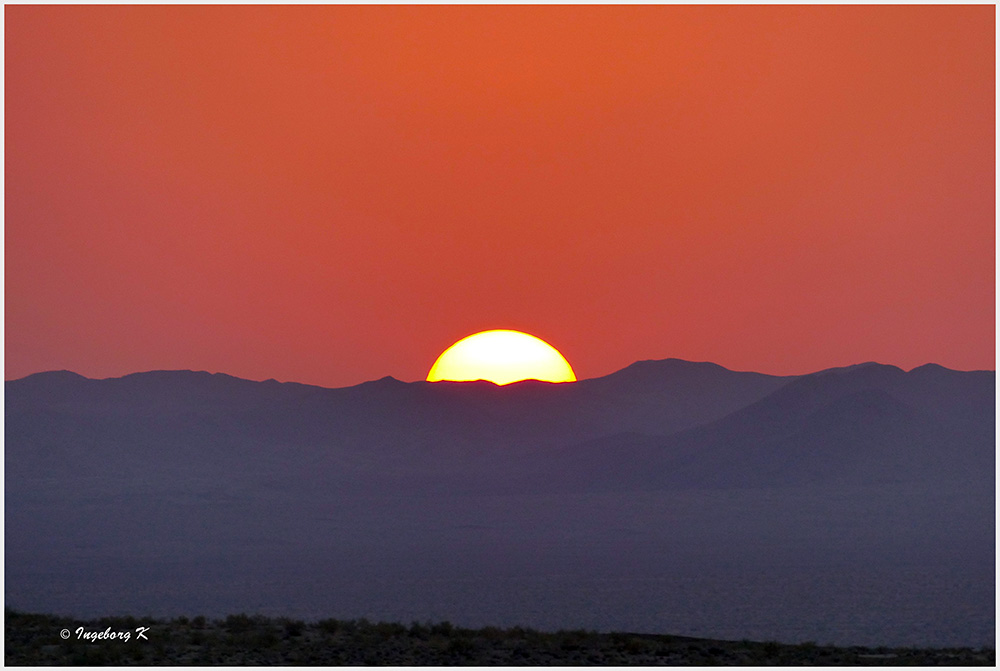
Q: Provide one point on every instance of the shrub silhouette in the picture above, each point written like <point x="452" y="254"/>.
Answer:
<point x="236" y="624"/>
<point x="294" y="628"/>
<point x="329" y="626"/>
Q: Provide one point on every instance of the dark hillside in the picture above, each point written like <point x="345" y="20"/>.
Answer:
<point x="251" y="640"/>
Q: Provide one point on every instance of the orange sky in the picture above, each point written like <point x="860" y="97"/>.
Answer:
<point x="334" y="194"/>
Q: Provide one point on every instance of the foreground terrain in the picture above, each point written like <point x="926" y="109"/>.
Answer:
<point x="32" y="639"/>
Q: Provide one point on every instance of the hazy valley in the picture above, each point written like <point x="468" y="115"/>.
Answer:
<point x="849" y="506"/>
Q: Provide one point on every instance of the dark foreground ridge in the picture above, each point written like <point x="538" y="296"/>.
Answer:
<point x="49" y="640"/>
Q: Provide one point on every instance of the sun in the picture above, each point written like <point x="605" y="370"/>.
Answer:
<point x="501" y="356"/>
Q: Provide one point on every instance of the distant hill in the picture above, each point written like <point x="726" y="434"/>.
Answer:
<point x="862" y="424"/>
<point x="162" y="419"/>
<point x="669" y="423"/>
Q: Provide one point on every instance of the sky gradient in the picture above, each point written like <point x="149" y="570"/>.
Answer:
<point x="330" y="195"/>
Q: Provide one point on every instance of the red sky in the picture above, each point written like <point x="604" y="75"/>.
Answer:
<point x="334" y="194"/>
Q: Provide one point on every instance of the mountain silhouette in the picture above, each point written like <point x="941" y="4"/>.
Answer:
<point x="669" y="423"/>
<point x="165" y="418"/>
<point x="846" y="425"/>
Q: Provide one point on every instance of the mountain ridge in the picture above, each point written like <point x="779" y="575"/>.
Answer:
<point x="693" y="410"/>
<point x="643" y="365"/>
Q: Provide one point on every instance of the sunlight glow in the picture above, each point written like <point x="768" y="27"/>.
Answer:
<point x="501" y="356"/>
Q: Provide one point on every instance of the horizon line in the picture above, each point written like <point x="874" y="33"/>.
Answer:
<point x="391" y="377"/>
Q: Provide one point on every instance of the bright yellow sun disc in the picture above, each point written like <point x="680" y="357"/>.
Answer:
<point x="501" y="356"/>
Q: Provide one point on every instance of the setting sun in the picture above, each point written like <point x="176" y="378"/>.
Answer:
<point x="501" y="356"/>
